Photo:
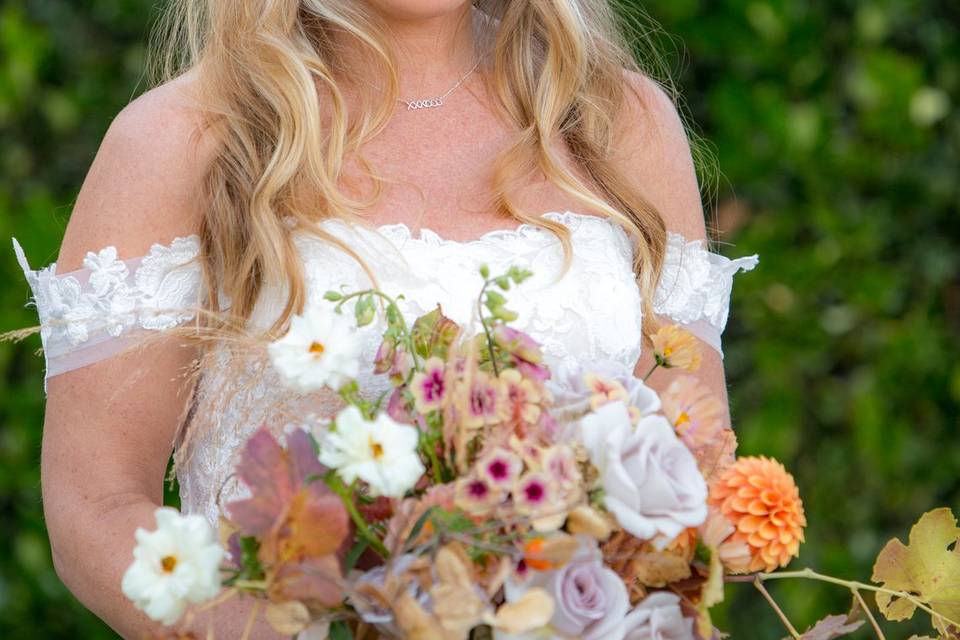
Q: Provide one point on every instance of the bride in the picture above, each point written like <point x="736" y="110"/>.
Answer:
<point x="299" y="145"/>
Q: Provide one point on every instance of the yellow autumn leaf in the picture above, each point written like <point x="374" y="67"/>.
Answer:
<point x="926" y="568"/>
<point x="711" y="594"/>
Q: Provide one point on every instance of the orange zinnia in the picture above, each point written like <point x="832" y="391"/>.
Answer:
<point x="762" y="502"/>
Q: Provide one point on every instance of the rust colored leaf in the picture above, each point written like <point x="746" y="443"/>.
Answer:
<point x="299" y="522"/>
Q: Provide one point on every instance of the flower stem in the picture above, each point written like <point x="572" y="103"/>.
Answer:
<point x="758" y="583"/>
<point x="429" y="446"/>
<point x="251" y="585"/>
<point x="486" y="328"/>
<point x="810" y="574"/>
<point x="652" y="369"/>
<point x="248" y="628"/>
<point x="408" y="339"/>
<point x="869" y="614"/>
<point x="346" y="496"/>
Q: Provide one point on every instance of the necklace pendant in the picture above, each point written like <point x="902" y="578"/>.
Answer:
<point x="427" y="103"/>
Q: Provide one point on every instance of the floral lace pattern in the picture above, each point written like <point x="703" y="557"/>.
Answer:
<point x="592" y="312"/>
<point x="695" y="284"/>
<point x="109" y="297"/>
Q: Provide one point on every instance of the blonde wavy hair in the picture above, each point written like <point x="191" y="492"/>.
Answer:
<point x="265" y="67"/>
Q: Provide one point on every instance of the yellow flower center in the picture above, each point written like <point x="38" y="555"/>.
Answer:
<point x="376" y="448"/>
<point x="168" y="563"/>
<point x="682" y="419"/>
<point x="317" y="348"/>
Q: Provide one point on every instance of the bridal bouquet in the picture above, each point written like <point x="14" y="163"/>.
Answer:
<point x="490" y="493"/>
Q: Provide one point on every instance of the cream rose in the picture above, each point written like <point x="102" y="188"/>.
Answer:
<point x="650" y="479"/>
<point x="659" y="617"/>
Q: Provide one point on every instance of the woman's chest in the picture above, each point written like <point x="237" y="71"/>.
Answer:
<point x="440" y="171"/>
<point x="581" y="307"/>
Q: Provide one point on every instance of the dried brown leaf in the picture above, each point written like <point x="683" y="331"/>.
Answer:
<point x="835" y="626"/>
<point x="288" y="618"/>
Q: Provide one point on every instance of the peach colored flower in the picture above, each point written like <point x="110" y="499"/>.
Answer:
<point x="523" y="397"/>
<point x="762" y="502"/>
<point x="675" y="348"/>
<point x="694" y="411"/>
<point x="716" y="532"/>
<point x="603" y="390"/>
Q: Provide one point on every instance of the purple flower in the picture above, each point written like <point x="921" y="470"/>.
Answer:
<point x="659" y="617"/>
<point x="578" y="389"/>
<point x="651" y="481"/>
<point x="590" y="600"/>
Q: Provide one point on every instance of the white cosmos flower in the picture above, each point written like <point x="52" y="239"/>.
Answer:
<point x="322" y="348"/>
<point x="381" y="452"/>
<point x="176" y="564"/>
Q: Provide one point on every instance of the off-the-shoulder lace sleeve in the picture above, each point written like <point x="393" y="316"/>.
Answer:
<point x="694" y="287"/>
<point x="104" y="307"/>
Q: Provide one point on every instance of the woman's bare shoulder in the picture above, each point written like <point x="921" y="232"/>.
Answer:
<point x="653" y="149"/>
<point x="144" y="184"/>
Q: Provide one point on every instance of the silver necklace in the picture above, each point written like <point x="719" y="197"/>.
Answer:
<point x="435" y="102"/>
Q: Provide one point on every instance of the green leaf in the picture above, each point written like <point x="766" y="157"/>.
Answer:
<point x="251" y="568"/>
<point x="494" y="300"/>
<point x="365" y="310"/>
<point x="503" y="282"/>
<point x="355" y="552"/>
<point x="340" y="631"/>
<point x="518" y="274"/>
<point x="484" y="271"/>
<point x="433" y="333"/>
<point x="333" y="296"/>
<point x="420" y="524"/>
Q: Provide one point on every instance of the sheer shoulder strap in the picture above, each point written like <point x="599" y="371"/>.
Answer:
<point x="104" y="307"/>
<point x="695" y="285"/>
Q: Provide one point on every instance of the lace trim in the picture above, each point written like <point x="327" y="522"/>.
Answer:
<point x="695" y="283"/>
<point x="400" y="232"/>
<point x="109" y="297"/>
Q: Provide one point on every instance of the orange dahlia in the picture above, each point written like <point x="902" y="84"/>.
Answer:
<point x="762" y="502"/>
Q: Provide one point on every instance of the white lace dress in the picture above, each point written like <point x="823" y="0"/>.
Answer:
<point x="592" y="313"/>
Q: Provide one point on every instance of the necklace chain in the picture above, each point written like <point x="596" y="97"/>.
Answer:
<point x="437" y="101"/>
<point x="430" y="103"/>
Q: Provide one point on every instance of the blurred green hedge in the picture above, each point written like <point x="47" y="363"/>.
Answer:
<point x="835" y="126"/>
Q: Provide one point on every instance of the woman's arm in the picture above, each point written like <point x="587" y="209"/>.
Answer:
<point x="653" y="148"/>
<point x="109" y="426"/>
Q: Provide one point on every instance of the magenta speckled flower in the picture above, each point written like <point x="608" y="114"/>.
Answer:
<point x="500" y="467"/>
<point x="477" y="496"/>
<point x="533" y="493"/>
<point x="429" y="386"/>
<point x="486" y="403"/>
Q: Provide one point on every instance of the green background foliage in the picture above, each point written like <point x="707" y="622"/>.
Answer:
<point x="836" y="132"/>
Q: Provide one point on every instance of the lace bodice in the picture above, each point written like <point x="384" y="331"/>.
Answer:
<point x="593" y="312"/>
